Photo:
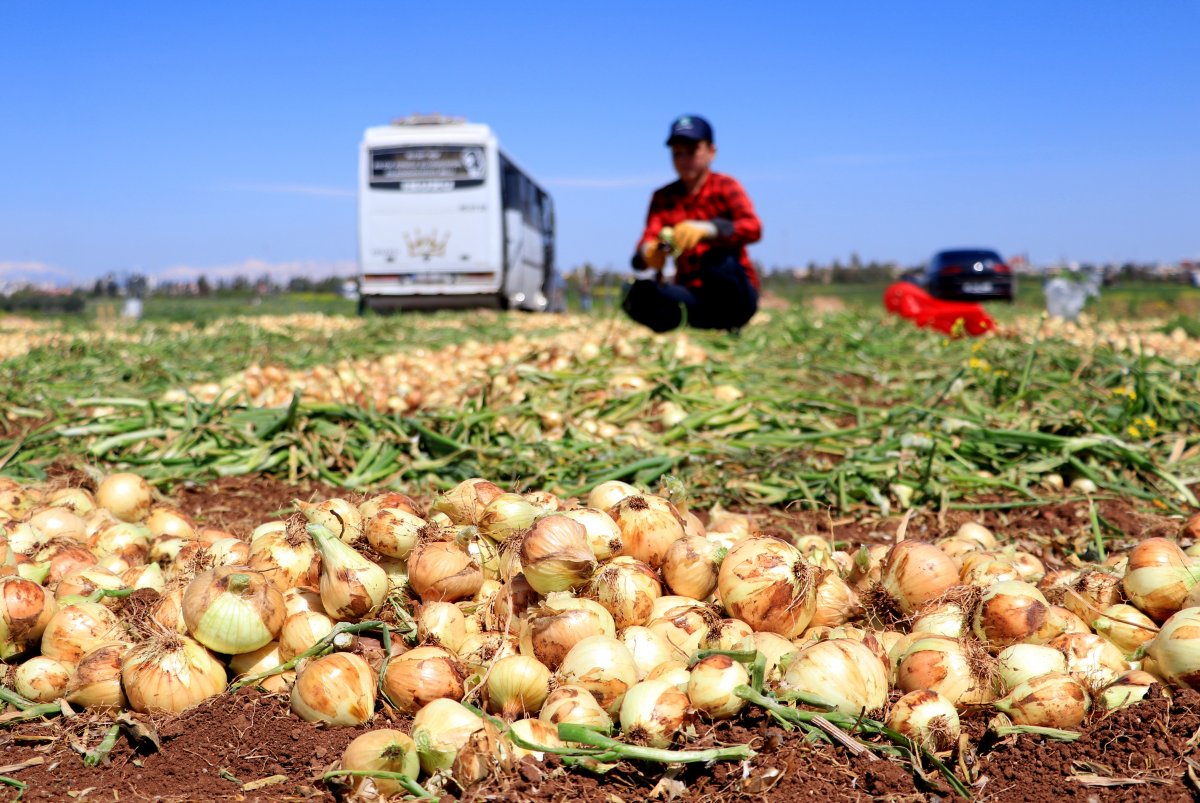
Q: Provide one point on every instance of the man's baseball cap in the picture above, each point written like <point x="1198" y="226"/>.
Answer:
<point x="692" y="127"/>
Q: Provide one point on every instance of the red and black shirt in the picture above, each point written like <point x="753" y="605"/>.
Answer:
<point x="721" y="201"/>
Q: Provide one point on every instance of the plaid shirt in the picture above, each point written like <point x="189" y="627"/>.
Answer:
<point x="720" y="200"/>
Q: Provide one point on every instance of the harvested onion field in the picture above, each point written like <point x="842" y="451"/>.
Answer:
<point x="557" y="557"/>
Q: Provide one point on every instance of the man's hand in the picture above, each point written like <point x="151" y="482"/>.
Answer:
<point x="654" y="254"/>
<point x="690" y="232"/>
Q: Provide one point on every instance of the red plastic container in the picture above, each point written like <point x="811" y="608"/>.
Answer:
<point x="951" y="317"/>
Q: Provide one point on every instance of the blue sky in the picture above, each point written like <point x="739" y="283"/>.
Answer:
<point x="222" y="137"/>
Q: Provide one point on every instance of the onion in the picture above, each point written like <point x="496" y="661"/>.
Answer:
<point x="1058" y="621"/>
<point x="845" y="673"/>
<point x="1125" y="627"/>
<point x="574" y="705"/>
<point x="944" y="618"/>
<point x="532" y="731"/>
<point x="421" y="675"/>
<point x="649" y="649"/>
<point x="674" y="672"/>
<point x="1175" y="650"/>
<point x="77" y="629"/>
<point x="126" y="496"/>
<point x="337" y="689"/>
<point x="1009" y="612"/>
<point x="232" y="610"/>
<point x="352" y="587"/>
<point x="517" y="685"/>
<point x="287" y="558"/>
<point x="26" y="609"/>
<point x="96" y="682"/>
<point x="914" y="573"/>
<point x="1053" y="700"/>
<point x="148" y="576"/>
<point x="663" y="605"/>
<point x="1129" y="688"/>
<point x="41" y="679"/>
<point x="507" y="515"/>
<point x="710" y="687"/>
<point x="169" y="521"/>
<point x="948" y="666"/>
<point x="685" y="626"/>
<point x="768" y="585"/>
<point x="383" y="750"/>
<point x="649" y="526"/>
<point x="652" y="712"/>
<point x="338" y="516"/>
<point x="126" y="539"/>
<point x="228" y="552"/>
<point x="466" y="501"/>
<point x="296" y="600"/>
<point x="394" y="532"/>
<point x="690" y="566"/>
<point x="443" y="571"/>
<point x="559" y="624"/>
<point x="725" y="634"/>
<point x="1021" y="662"/>
<point x="779" y="652"/>
<point x="300" y="632"/>
<point x="926" y="717"/>
<point x="1090" y="659"/>
<point x="1159" y="578"/>
<point x="837" y="603"/>
<point x="169" y="674"/>
<point x="1028" y="566"/>
<point x="86" y="580"/>
<point x="58" y="522"/>
<point x="441" y="623"/>
<point x="15" y="499"/>
<point x="481" y="650"/>
<point x="63" y="557"/>
<point x="441" y="729"/>
<point x="603" y="666"/>
<point x="168" y="611"/>
<point x="263" y="659"/>
<point x="512" y="599"/>
<point x="556" y="555"/>
<point x="609" y="493"/>
<point x="603" y="533"/>
<point x="1092" y="592"/>
<point x="627" y="588"/>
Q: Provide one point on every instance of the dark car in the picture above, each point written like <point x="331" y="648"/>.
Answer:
<point x="972" y="274"/>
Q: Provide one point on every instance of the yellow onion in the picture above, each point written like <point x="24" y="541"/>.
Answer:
<point x="232" y="610"/>
<point x="1058" y="621"/>
<point x="148" y="576"/>
<point x="953" y="668"/>
<point x="837" y="603"/>
<point x="369" y="508"/>
<point x="171" y="550"/>
<point x="652" y="712"/>
<point x="337" y="689"/>
<point x="301" y="631"/>
<point x="544" y="501"/>
<point x="627" y="588"/>
<point x="1029" y="567"/>
<point x="1091" y="593"/>
<point x="41" y="679"/>
<point x="974" y="531"/>
<point x="77" y="629"/>
<point x="1175" y="650"/>
<point x="1009" y="612"/>
<point x="1053" y="700"/>
<point x="263" y="659"/>
<point x="958" y="548"/>
<point x="926" y="717"/>
<point x="422" y="675"/>
<point x="64" y="557"/>
<point x="296" y="600"/>
<point x="603" y="666"/>
<point x="1125" y="627"/>
<point x="843" y="672"/>
<point x="164" y="520"/>
<point x="517" y="685"/>
<point x="352" y="587"/>
<point x="1090" y="658"/>
<point x="560" y="623"/>
<point x="170" y="673"/>
<point x="556" y="555"/>
<point x="466" y="501"/>
<point x="915" y="573"/>
<point x="649" y="649"/>
<point x="228" y="552"/>
<point x="16" y="500"/>
<point x="442" y="730"/>
<point x="86" y="580"/>
<point x="383" y="750"/>
<point x="26" y="609"/>
<point x="441" y="623"/>
<point x="769" y="586"/>
<point x="443" y="571"/>
<point x="725" y="634"/>
<point x="58" y="522"/>
<point x="512" y="599"/>
<point x="168" y="611"/>
<point x="1021" y="662"/>
<point x="941" y="618"/>
<point x="506" y="515"/>
<point x="96" y="682"/>
<point x="574" y="705"/>
<point x="649" y="525"/>
<point x="118" y="566"/>
<point x="338" y="516"/>
<point x="690" y="566"/>
<point x="534" y="732"/>
<point x="607" y="494"/>
<point x="710" y="687"/>
<point x="685" y="626"/>
<point x="1159" y="578"/>
<point x="126" y="539"/>
<point x="394" y="532"/>
<point x="604" y="535"/>
<point x="481" y="650"/>
<point x="738" y="525"/>
<point x="1128" y="689"/>
<point x="126" y="496"/>
<point x="674" y="672"/>
<point x="778" y="651"/>
<point x="287" y="558"/>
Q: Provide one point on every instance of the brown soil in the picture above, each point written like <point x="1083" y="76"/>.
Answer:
<point x="210" y="752"/>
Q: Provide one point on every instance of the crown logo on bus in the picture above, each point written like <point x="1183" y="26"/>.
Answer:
<point x="426" y="245"/>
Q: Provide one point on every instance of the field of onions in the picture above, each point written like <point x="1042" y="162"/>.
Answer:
<point x="535" y="558"/>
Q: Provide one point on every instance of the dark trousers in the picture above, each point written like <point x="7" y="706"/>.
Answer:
<point x="725" y="299"/>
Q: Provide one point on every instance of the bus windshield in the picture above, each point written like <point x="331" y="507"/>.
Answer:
<point x="425" y="168"/>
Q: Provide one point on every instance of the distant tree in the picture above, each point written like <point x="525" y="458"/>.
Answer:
<point x="202" y="285"/>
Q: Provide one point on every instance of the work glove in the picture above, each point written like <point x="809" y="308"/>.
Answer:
<point x="654" y="254"/>
<point x="690" y="232"/>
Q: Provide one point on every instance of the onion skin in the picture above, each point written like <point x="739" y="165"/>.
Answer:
<point x="383" y="750"/>
<point x="77" y="629"/>
<point x="575" y="705"/>
<point x="653" y="712"/>
<point x="711" y="684"/>
<point x="170" y="674"/>
<point x="769" y="586"/>
<point x="337" y="689"/>
<point x="926" y="717"/>
<point x="126" y="496"/>
<point x="556" y="554"/>
<point x="1009" y="612"/>
<point x="628" y="589"/>
<point x="604" y="667"/>
<point x="1052" y="700"/>
<point x="1175" y="651"/>
<point x="846" y="673"/>
<point x="443" y="571"/>
<point x="25" y="610"/>
<point x="915" y="573"/>
<point x="649" y="526"/>
<point x="233" y="610"/>
<point x="422" y="675"/>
